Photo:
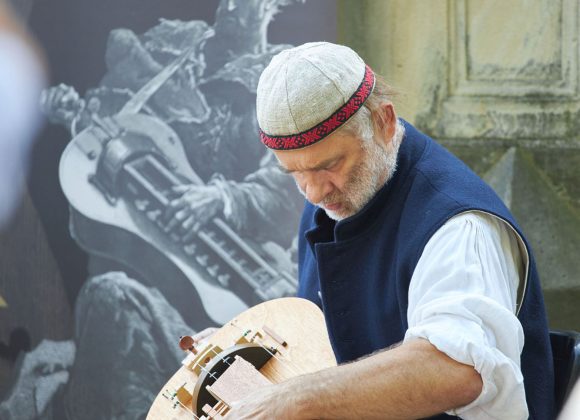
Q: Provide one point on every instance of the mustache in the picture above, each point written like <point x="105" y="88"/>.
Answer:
<point x="331" y="198"/>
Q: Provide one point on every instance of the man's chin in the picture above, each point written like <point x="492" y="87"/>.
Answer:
<point x="336" y="215"/>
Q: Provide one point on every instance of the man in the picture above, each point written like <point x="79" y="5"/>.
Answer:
<point x="426" y="281"/>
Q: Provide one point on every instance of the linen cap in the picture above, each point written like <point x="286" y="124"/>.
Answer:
<point x="307" y="92"/>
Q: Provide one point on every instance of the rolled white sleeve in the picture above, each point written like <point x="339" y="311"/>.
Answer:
<point x="462" y="299"/>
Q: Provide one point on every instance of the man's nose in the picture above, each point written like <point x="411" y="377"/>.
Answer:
<point x="317" y="188"/>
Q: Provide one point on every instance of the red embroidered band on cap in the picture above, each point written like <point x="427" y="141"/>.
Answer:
<point x="320" y="131"/>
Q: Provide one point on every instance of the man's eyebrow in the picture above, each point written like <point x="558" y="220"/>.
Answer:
<point x="322" y="165"/>
<point x="325" y="164"/>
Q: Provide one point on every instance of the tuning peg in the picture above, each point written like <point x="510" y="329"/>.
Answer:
<point x="232" y="252"/>
<point x="202" y="260"/>
<point x="224" y="279"/>
<point x="153" y="215"/>
<point x="213" y="270"/>
<point x="141" y="204"/>
<point x="187" y="343"/>
<point x="190" y="249"/>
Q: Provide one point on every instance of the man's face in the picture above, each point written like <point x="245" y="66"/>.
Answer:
<point x="340" y="173"/>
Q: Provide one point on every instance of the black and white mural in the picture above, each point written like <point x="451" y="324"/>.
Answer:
<point x="175" y="216"/>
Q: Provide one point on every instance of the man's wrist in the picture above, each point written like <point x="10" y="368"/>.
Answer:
<point x="222" y="198"/>
<point x="298" y="398"/>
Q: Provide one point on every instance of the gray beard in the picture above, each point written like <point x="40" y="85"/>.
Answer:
<point x="368" y="178"/>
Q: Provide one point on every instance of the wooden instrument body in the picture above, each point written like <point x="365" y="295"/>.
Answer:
<point x="299" y="322"/>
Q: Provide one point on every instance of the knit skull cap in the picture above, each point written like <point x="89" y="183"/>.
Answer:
<point x="307" y="92"/>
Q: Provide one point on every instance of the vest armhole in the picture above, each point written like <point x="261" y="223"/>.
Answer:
<point x="524" y="251"/>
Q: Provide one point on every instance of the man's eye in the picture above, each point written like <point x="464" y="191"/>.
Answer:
<point x="331" y="167"/>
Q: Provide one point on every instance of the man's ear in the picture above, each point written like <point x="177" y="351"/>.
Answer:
<point x="387" y="121"/>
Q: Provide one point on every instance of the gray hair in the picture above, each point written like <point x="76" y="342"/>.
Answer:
<point x="362" y="124"/>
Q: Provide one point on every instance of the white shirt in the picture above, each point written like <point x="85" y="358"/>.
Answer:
<point x="463" y="298"/>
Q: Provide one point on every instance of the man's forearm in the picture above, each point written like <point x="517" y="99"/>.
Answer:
<point x="413" y="380"/>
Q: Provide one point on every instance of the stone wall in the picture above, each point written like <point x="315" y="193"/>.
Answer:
<point x="497" y="83"/>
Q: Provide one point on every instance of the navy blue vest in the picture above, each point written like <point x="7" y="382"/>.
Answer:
<point x="358" y="270"/>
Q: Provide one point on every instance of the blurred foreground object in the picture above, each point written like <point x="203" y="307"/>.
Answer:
<point x="566" y="354"/>
<point x="21" y="80"/>
<point x="572" y="407"/>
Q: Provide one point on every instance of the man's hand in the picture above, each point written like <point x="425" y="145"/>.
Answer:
<point x="271" y="402"/>
<point x="194" y="208"/>
<point x="61" y="104"/>
<point x="413" y="380"/>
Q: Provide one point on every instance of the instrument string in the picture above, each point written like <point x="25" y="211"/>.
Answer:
<point x="188" y="410"/>
<point x="291" y="366"/>
<point x="295" y="369"/>
<point x="223" y="359"/>
<point x="180" y="404"/>
<point x="208" y="372"/>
